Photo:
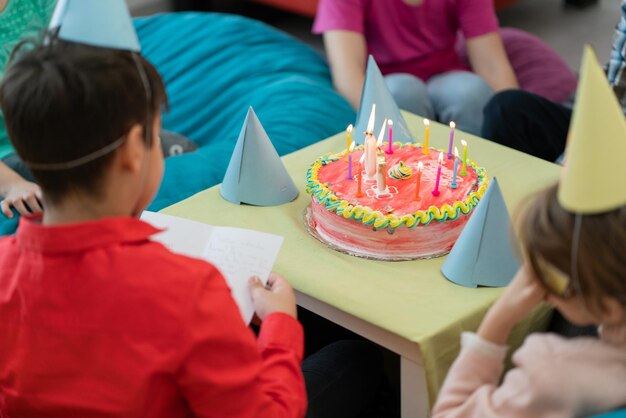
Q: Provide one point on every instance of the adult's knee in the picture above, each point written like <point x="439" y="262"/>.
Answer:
<point x="410" y="93"/>
<point x="505" y="102"/>
<point x="460" y="96"/>
<point x="502" y="112"/>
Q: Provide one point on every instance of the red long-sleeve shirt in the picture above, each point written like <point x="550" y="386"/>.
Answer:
<point x="98" y="321"/>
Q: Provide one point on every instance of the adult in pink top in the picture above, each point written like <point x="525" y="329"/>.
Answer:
<point x="413" y="42"/>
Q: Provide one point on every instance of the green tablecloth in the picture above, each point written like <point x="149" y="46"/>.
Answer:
<point x="412" y="298"/>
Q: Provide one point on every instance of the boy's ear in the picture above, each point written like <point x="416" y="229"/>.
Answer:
<point x="131" y="153"/>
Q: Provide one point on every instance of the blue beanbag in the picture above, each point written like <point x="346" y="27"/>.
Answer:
<point x="215" y="66"/>
<point x="616" y="414"/>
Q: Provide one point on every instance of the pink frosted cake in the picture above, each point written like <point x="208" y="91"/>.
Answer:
<point x="386" y="221"/>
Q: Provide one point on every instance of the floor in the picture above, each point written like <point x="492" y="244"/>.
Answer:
<point x="566" y="29"/>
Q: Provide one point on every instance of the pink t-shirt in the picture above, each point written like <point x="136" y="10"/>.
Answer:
<point x="418" y="40"/>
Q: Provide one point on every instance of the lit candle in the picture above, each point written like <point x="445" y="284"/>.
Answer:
<point x="440" y="159"/>
<point x="348" y="138"/>
<point x="381" y="173"/>
<point x="359" y="192"/>
<point x="372" y="120"/>
<point x="390" y="150"/>
<point x="426" y="150"/>
<point x="456" y="166"/>
<point x="452" y="126"/>
<point x="464" y="166"/>
<point x="350" y="149"/>
<point x="418" y="180"/>
<point x="381" y="135"/>
<point x="371" y="147"/>
<point x="370" y="156"/>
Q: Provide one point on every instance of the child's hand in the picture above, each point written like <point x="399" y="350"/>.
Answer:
<point x="24" y="196"/>
<point x="279" y="297"/>
<point x="519" y="299"/>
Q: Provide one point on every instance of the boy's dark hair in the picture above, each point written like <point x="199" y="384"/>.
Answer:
<point x="63" y="101"/>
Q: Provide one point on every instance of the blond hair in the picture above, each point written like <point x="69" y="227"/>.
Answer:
<point x="546" y="232"/>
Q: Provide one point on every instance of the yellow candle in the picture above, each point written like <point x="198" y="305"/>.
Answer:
<point x="425" y="150"/>
<point x="464" y="166"/>
<point x="348" y="139"/>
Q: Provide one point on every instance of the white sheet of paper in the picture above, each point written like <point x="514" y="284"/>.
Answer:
<point x="237" y="253"/>
<point x="180" y="235"/>
<point x="240" y="254"/>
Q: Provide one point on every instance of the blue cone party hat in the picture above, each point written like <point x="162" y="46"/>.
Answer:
<point x="256" y="175"/>
<point x="483" y="253"/>
<point x="99" y="23"/>
<point x="375" y="91"/>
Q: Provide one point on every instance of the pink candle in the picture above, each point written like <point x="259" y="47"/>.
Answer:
<point x="390" y="150"/>
<point x="452" y="126"/>
<point x="440" y="159"/>
<point x="370" y="146"/>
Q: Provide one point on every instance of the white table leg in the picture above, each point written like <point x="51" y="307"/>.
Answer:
<point x="413" y="390"/>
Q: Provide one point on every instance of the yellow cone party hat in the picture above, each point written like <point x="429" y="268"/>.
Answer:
<point x="596" y="146"/>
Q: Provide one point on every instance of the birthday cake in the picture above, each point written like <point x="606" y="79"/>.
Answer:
<point x="409" y="208"/>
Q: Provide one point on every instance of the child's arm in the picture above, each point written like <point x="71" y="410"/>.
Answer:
<point x="488" y="59"/>
<point x="18" y="193"/>
<point x="227" y="373"/>
<point x="347" y="53"/>
<point x="471" y="387"/>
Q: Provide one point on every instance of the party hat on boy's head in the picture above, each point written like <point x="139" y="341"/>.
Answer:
<point x="256" y="175"/>
<point x="596" y="146"/>
<point x="375" y="91"/>
<point x="100" y="23"/>
<point x="483" y="253"/>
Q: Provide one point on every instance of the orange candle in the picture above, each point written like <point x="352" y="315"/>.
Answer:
<point x="420" y="166"/>
<point x="359" y="192"/>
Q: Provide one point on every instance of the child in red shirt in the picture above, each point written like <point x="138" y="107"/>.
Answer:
<point x="96" y="319"/>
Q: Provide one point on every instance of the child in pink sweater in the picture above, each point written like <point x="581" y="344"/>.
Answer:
<point x="552" y="376"/>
